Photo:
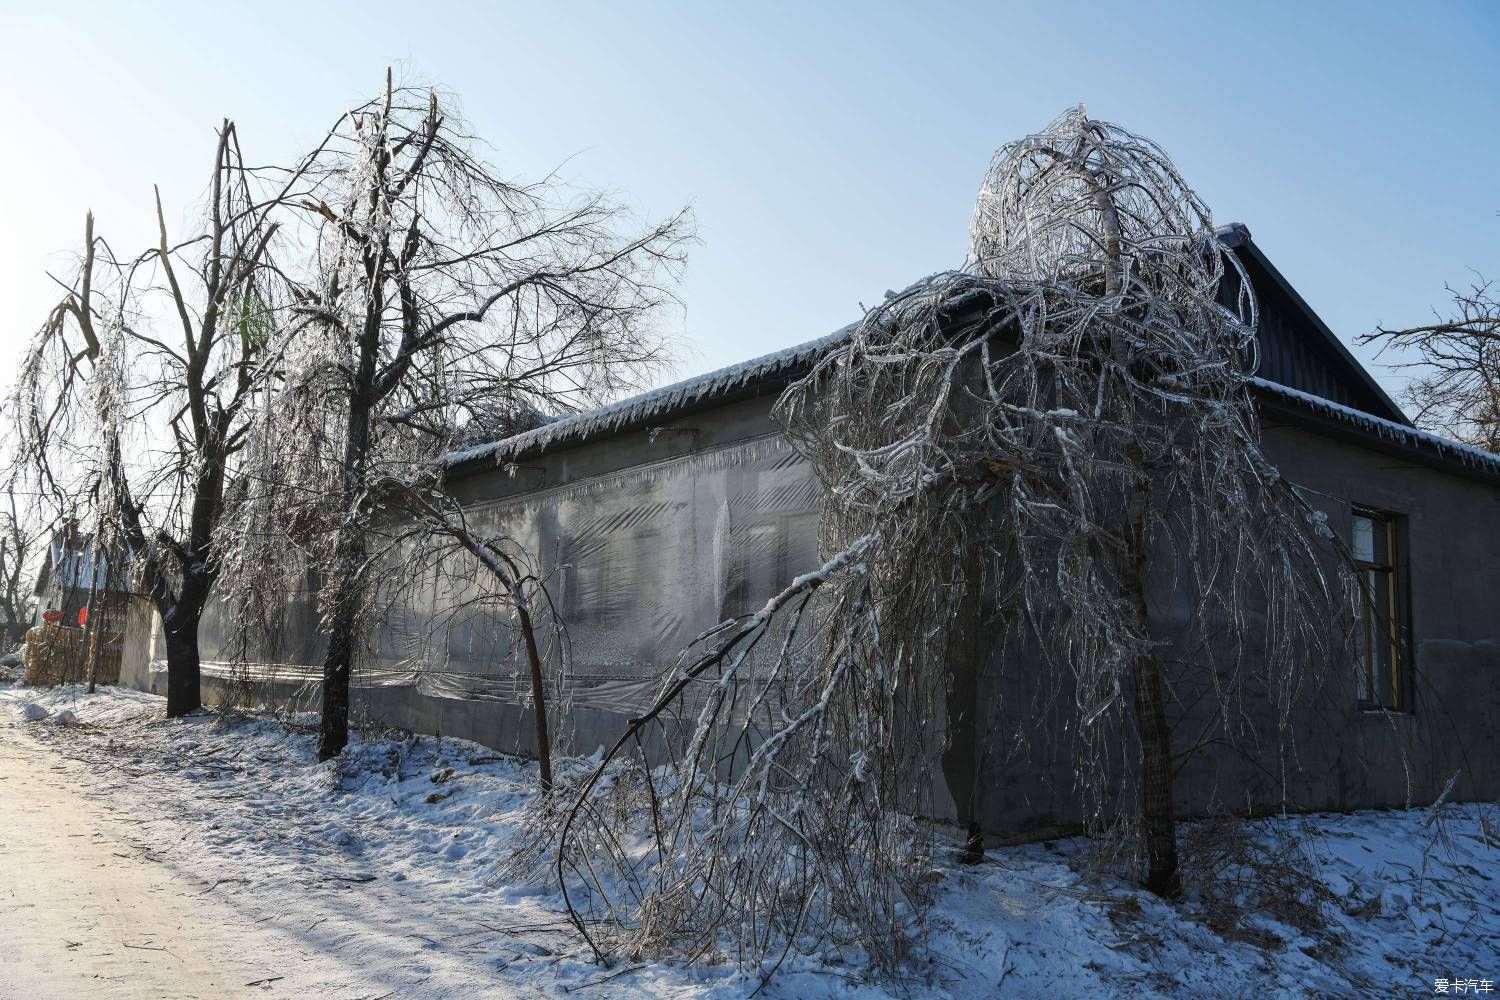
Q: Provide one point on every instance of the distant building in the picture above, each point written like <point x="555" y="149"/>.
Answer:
<point x="67" y="577"/>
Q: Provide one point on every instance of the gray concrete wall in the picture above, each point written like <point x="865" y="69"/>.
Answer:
<point x="1337" y="757"/>
<point x="1453" y="561"/>
<point x="1333" y="755"/>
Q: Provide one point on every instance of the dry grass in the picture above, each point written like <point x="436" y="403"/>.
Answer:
<point x="1238" y="871"/>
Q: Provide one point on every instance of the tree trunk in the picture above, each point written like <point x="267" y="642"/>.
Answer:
<point x="90" y="623"/>
<point x="538" y="693"/>
<point x="93" y="654"/>
<point x="180" y="627"/>
<point x="961" y="764"/>
<point x="343" y="610"/>
<point x="95" y="619"/>
<point x="333" y="732"/>
<point x="1162" y="876"/>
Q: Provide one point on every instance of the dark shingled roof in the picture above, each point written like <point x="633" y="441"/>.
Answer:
<point x="770" y="372"/>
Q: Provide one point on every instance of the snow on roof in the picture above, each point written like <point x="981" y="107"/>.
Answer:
<point x="638" y="410"/>
<point x="1454" y="451"/>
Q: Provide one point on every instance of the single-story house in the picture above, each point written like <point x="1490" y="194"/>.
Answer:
<point x="658" y="516"/>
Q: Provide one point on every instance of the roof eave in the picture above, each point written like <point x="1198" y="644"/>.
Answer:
<point x="1243" y="243"/>
<point x="1378" y="434"/>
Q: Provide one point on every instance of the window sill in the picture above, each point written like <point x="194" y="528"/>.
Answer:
<point x="1399" y="713"/>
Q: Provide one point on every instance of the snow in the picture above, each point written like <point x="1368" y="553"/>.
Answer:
<point x="392" y="857"/>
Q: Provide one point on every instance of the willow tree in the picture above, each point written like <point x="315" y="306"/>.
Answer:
<point x="1060" y="424"/>
<point x="135" y="389"/>
<point x="445" y="302"/>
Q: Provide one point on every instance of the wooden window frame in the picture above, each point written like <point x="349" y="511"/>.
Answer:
<point x="1393" y="693"/>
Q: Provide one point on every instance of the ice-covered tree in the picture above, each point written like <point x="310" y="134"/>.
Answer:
<point x="1052" y="430"/>
<point x="20" y="541"/>
<point x="134" y="391"/>
<point x="444" y="301"/>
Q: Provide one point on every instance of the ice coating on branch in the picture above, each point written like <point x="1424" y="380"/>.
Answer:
<point x="1086" y="201"/>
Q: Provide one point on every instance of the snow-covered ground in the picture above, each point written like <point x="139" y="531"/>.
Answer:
<point x="389" y="859"/>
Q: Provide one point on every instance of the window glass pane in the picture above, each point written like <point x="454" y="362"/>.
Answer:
<point x="1362" y="642"/>
<point x="1381" y="634"/>
<point x="1368" y="635"/>
<point x="1364" y="538"/>
<point x="1379" y="631"/>
<point x="1376" y="648"/>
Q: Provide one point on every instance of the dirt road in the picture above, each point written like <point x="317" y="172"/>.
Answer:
<point x="88" y="911"/>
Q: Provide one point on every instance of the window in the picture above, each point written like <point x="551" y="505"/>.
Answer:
<point x="616" y="575"/>
<point x="1380" y="632"/>
<point x="767" y="552"/>
<point x="591" y="585"/>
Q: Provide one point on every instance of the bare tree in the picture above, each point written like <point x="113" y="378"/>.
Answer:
<point x="444" y="301"/>
<point x="486" y="572"/>
<point x="1067" y="423"/>
<point x="1455" y="383"/>
<point x="19" y="538"/>
<point x="138" y="382"/>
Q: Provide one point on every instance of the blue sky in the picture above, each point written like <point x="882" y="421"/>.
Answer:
<point x="830" y="151"/>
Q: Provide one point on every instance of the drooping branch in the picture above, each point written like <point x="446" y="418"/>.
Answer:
<point x="149" y="428"/>
<point x="444" y="517"/>
<point x="442" y="300"/>
<point x="1063" y="426"/>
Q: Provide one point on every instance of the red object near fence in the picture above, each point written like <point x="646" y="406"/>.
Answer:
<point x="83" y="617"/>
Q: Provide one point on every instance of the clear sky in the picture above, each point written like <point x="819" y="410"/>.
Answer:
<point x="830" y="151"/>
